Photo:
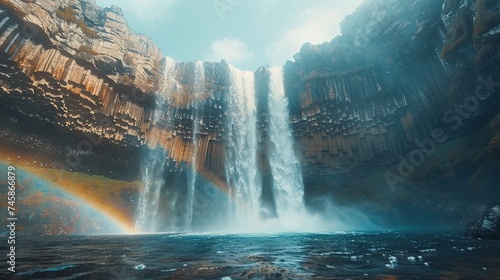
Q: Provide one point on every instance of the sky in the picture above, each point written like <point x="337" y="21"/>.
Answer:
<point x="246" y="33"/>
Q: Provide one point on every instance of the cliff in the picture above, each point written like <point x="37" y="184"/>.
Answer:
<point x="79" y="90"/>
<point x="375" y="110"/>
<point x="74" y="69"/>
<point x="368" y="94"/>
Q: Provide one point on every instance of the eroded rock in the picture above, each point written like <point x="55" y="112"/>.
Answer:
<point x="488" y="226"/>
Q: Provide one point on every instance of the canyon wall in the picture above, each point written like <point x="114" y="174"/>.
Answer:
<point x="368" y="95"/>
<point x="401" y="107"/>
<point x="76" y="82"/>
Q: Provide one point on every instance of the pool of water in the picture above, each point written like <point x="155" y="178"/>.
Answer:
<point x="382" y="255"/>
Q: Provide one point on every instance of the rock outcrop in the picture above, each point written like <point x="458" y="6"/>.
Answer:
<point x="78" y="70"/>
<point x="371" y="94"/>
<point x="99" y="36"/>
<point x="488" y="226"/>
<point x="395" y="110"/>
<point x="362" y="98"/>
<point x="78" y="67"/>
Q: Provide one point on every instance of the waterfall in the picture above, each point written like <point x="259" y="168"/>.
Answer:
<point x="241" y="148"/>
<point x="154" y="165"/>
<point x="150" y="196"/>
<point x="242" y="167"/>
<point x="285" y="168"/>
<point x="198" y="91"/>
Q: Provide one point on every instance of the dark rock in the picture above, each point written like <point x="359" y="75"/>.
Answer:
<point x="488" y="226"/>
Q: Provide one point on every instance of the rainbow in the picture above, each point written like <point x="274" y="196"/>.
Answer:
<point x="101" y="213"/>
<point x="76" y="187"/>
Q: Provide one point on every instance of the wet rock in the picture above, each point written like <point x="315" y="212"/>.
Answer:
<point x="488" y="226"/>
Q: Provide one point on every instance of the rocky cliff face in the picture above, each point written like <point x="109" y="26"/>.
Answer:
<point x="370" y="94"/>
<point x="366" y="96"/>
<point x="404" y="77"/>
<point x="76" y="69"/>
<point x="79" y="87"/>
<point x="83" y="31"/>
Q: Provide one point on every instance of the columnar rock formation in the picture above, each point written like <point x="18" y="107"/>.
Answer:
<point x="367" y="95"/>
<point x="65" y="65"/>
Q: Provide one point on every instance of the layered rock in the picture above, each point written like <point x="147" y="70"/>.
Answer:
<point x="72" y="66"/>
<point x="362" y="102"/>
<point x="99" y="36"/>
<point x="367" y="95"/>
<point x="66" y="64"/>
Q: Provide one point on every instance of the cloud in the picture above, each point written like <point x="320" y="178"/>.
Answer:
<point x="233" y="51"/>
<point x="142" y="10"/>
<point x="315" y="26"/>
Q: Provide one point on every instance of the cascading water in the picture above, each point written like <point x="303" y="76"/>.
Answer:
<point x="241" y="152"/>
<point x="150" y="196"/>
<point x="198" y="90"/>
<point x="153" y="167"/>
<point x="241" y="147"/>
<point x="285" y="168"/>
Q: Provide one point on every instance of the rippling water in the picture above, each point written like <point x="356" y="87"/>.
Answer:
<point x="272" y="256"/>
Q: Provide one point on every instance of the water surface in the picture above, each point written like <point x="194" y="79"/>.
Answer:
<point x="253" y="256"/>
